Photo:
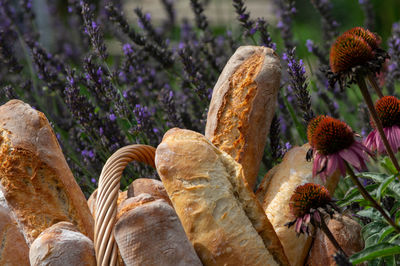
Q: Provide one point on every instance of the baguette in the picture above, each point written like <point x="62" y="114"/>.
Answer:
<point x="243" y="105"/>
<point x="219" y="212"/>
<point x="34" y="175"/>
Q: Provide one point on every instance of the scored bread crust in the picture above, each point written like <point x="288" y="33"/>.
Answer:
<point x="218" y="211"/>
<point x="35" y="178"/>
<point x="243" y="105"/>
<point x="148" y="232"/>
<point x="275" y="192"/>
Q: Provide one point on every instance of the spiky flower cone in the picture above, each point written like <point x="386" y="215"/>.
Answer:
<point x="388" y="110"/>
<point x="334" y="144"/>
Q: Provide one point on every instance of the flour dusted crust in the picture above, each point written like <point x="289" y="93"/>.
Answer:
<point x="148" y="232"/>
<point x="35" y="178"/>
<point x="62" y="244"/>
<point x="276" y="190"/>
<point x="243" y="105"/>
<point x="218" y="211"/>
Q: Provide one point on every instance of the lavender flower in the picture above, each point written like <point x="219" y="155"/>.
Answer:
<point x="274" y="139"/>
<point x="92" y="29"/>
<point x="144" y="20"/>
<point x="163" y="55"/>
<point x="329" y="24"/>
<point x="266" y="39"/>
<point x="298" y="84"/>
<point x="244" y="17"/>
<point x="285" y="9"/>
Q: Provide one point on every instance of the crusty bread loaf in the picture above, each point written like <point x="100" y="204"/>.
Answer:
<point x="150" y="186"/>
<point x="35" y="178"/>
<point x="148" y="232"/>
<point x="13" y="249"/>
<point x="243" y="105"/>
<point x="219" y="212"/>
<point x="276" y="190"/>
<point x="62" y="244"/>
<point x="347" y="233"/>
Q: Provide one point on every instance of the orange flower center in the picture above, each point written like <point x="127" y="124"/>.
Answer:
<point x="312" y="125"/>
<point x="348" y="51"/>
<point x="372" y="39"/>
<point x="332" y="135"/>
<point x="308" y="196"/>
<point x="388" y="109"/>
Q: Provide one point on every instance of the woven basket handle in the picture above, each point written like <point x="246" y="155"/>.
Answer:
<point x="106" y="202"/>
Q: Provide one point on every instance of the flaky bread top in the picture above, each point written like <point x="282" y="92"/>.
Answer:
<point x="242" y="106"/>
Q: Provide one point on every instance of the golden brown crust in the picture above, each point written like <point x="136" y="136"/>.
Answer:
<point x="218" y="211"/>
<point x="276" y="190"/>
<point x="62" y="244"/>
<point x="149" y="186"/>
<point x="35" y="178"/>
<point x="13" y="248"/>
<point x="242" y="106"/>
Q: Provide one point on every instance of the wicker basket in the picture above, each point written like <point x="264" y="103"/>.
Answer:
<point x="106" y="202"/>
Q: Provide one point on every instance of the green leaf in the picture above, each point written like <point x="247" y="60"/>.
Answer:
<point x="354" y="195"/>
<point x="385" y="232"/>
<point x="376" y="177"/>
<point x="382" y="187"/>
<point x="372" y="228"/>
<point x="388" y="165"/>
<point x="375" y="251"/>
<point x="372" y="240"/>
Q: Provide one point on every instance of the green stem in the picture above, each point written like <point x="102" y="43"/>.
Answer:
<point x="369" y="198"/>
<point x="377" y="121"/>
<point x="375" y="85"/>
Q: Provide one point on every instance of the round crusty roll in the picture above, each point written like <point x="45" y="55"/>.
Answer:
<point x="219" y="212"/>
<point x="62" y="244"/>
<point x="347" y="233"/>
<point x="275" y="192"/>
<point x="150" y="233"/>
<point x="243" y="105"/>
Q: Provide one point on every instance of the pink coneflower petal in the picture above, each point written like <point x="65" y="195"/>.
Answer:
<point x="332" y="164"/>
<point x="299" y="222"/>
<point x="369" y="141"/>
<point x="351" y="157"/>
<point x="316" y="164"/>
<point x="307" y="218"/>
<point x="342" y="167"/>
<point x="374" y="140"/>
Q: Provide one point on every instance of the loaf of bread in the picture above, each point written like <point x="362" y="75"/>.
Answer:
<point x="148" y="232"/>
<point x="62" y="244"/>
<point x="13" y="249"/>
<point x="34" y="175"/>
<point x="276" y="190"/>
<point x="347" y="233"/>
<point x="150" y="186"/>
<point x="243" y="105"/>
<point x="219" y="212"/>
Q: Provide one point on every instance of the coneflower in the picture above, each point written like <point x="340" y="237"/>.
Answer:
<point x="334" y="144"/>
<point x="388" y="110"/>
<point x="308" y="204"/>
<point x="335" y="148"/>
<point x="354" y="56"/>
